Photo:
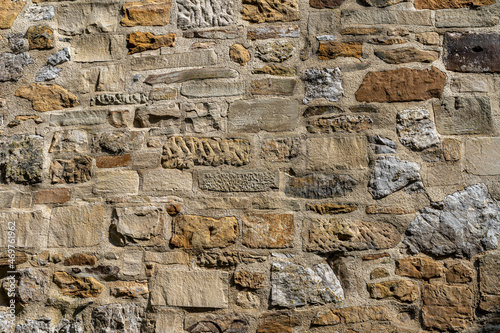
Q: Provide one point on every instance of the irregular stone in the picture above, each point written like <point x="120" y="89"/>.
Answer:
<point x="47" y="97"/>
<point x="212" y="34"/>
<point x="129" y="289"/>
<point x="141" y="41"/>
<point x="29" y="227"/>
<point x="190" y="289"/>
<point x="403" y="290"/>
<point x="329" y="154"/>
<point x="447" y="307"/>
<point x="77" y="286"/>
<point x="205" y="117"/>
<point x="380" y="3"/>
<point x="106" y="272"/>
<point x="415" y="130"/>
<point x="275" y="70"/>
<point x="273" y="87"/>
<point x="391" y="175"/>
<point x="319" y="186"/>
<point x="213" y="89"/>
<point x="351" y="315"/>
<point x="161" y="94"/>
<point x="40" y="37"/>
<point x="227" y="258"/>
<point x="199" y="232"/>
<point x="191" y="74"/>
<point x="77" y="170"/>
<point x="337" y="235"/>
<point x="115" y="142"/>
<point x="41" y="325"/>
<point x="321" y="4"/>
<point x="237" y="323"/>
<point x="21" y="159"/>
<point x="406" y="54"/>
<point x="294" y="285"/>
<point x="280" y="149"/>
<point x="9" y="11"/>
<point x="471" y="52"/>
<point x="80" y="259"/>
<point x="203" y="45"/>
<point x="268" y="231"/>
<point x="378" y="273"/>
<point x="76" y="226"/>
<point x="452" y="149"/>
<point x="465" y="224"/>
<point x="32" y="285"/>
<point x="57" y="195"/>
<point x="38" y="13"/>
<point x="186" y="152"/>
<point x="382" y="145"/>
<point x="119" y="99"/>
<point x="387" y="41"/>
<point x="174" y="60"/>
<point x="18" y="42"/>
<point x="272" y="115"/>
<point x="375" y="256"/>
<point x="146" y="13"/>
<point x="384" y="16"/>
<point x="388" y="210"/>
<point x="434" y="4"/>
<point x="459" y="273"/>
<point x="331" y="208"/>
<point x="204" y="13"/>
<point x="12" y="65"/>
<point x="60" y="57"/>
<point x="355" y="31"/>
<point x="138" y="226"/>
<point x="489" y="283"/>
<point x="110" y="78"/>
<point x="116" y="182"/>
<point x="341" y="123"/>
<point x="400" y="85"/>
<point x="482" y="156"/>
<point x="277" y="322"/>
<point x="94" y="17"/>
<point x="171" y="181"/>
<point x="277" y="31"/>
<point x="463" y="115"/>
<point x="427" y="38"/>
<point x="419" y="268"/>
<point x="247" y="300"/>
<point x="47" y="73"/>
<point x="252" y="280"/>
<point x="112" y="161"/>
<point x="466" y="18"/>
<point x="326" y="83"/>
<point x="332" y="50"/>
<point x="113" y="318"/>
<point x="83" y="118"/>
<point x="97" y="47"/>
<point x="238" y="53"/>
<point x="275" y="52"/>
<point x="18" y="119"/>
<point x="259" y="11"/>
<point x="237" y="181"/>
<point x="19" y="258"/>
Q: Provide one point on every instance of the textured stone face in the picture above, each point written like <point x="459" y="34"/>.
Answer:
<point x="32" y="286"/>
<point x="402" y="290"/>
<point x="129" y="289"/>
<point x="249" y="279"/>
<point x="419" y="268"/>
<point x="320" y="4"/>
<point x="12" y="65"/>
<point x="329" y="154"/>
<point x="138" y="225"/>
<point x="433" y="4"/>
<point x="40" y="37"/>
<point x="416" y="130"/>
<point x="268" y="231"/>
<point x="468" y="52"/>
<point x="204" y="13"/>
<point x="142" y="41"/>
<point x="237" y="323"/>
<point x="277" y="31"/>
<point x="332" y="50"/>
<point x="489" y="283"/>
<point x="272" y="322"/>
<point x="341" y="123"/>
<point x="29" y="226"/>
<point x="80" y="259"/>
<point x="113" y="318"/>
<point x="21" y="159"/>
<point x="147" y="13"/>
<point x="48" y="97"/>
<point x="259" y="11"/>
<point x="200" y="232"/>
<point x="76" y="170"/>
<point x="326" y="83"/>
<point x="275" y="52"/>
<point x="76" y="18"/>
<point x="280" y="149"/>
<point x="380" y="3"/>
<point x="9" y="11"/>
<point x="77" y="286"/>
<point x="406" y="54"/>
<point x="319" y="186"/>
<point x="351" y="315"/>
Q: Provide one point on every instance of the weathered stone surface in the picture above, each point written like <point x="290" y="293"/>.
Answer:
<point x="110" y="182"/>
<point x="237" y="181"/>
<point x="294" y="285"/>
<point x="273" y="87"/>
<point x="375" y="256"/>
<point x="272" y="115"/>
<point x="403" y="290"/>
<point x="391" y="175"/>
<point x="465" y="224"/>
<point x="96" y="47"/>
<point x="466" y="18"/>
<point x="406" y="54"/>
<point x="328" y="154"/>
<point x="204" y="117"/>
<point x="268" y="231"/>
<point x="11" y="65"/>
<point x="415" y="130"/>
<point x="113" y="318"/>
<point x="319" y="186"/>
<point x="216" y="33"/>
<point x="40" y="37"/>
<point x="117" y="142"/>
<point x="41" y="325"/>
<point x="338" y="235"/>
<point x="482" y="156"/>
<point x="355" y="31"/>
<point x="204" y="13"/>
<point x="119" y="99"/>
<point x="388" y="210"/>
<point x="47" y="73"/>
<point x="191" y="74"/>
<point x="93" y="17"/>
<point x="33" y="285"/>
<point x="331" y="208"/>
<point x="383" y="16"/>
<point x="160" y="181"/>
<point x="21" y="159"/>
<point x="188" y="59"/>
<point x="77" y="286"/>
<point x="129" y="289"/>
<point x="379" y="273"/>
<point x="321" y="4"/>
<point x="340" y="123"/>
<point x="146" y="13"/>
<point x="381" y="145"/>
<point x="471" y="83"/>
<point x="141" y="41"/>
<point x="469" y="52"/>
<point x="434" y="4"/>
<point x="112" y="161"/>
<point x="59" y="57"/>
<point x="489" y="283"/>
<point x="447" y="307"/>
<point x="277" y="31"/>
<point x="276" y="322"/>
<point x="48" y="97"/>
<point x="258" y="11"/>
<point x="77" y="170"/>
<point x="381" y="3"/>
<point x="161" y="94"/>
<point x="9" y="11"/>
<point x="237" y="323"/>
<point x="200" y="232"/>
<point x="76" y="226"/>
<point x="275" y="52"/>
<point x="228" y="258"/>
<point x="29" y="227"/>
<point x="463" y="115"/>
<point x="252" y="280"/>
<point x="190" y="289"/>
<point x="80" y="259"/>
<point x="419" y="268"/>
<point x="401" y="85"/>
<point x="427" y="38"/>
<point x="280" y="149"/>
<point x="138" y="225"/>
<point x="275" y="70"/>
<point x="84" y="118"/>
<point x="19" y="258"/>
<point x="351" y="315"/>
<point x="213" y="89"/>
<point x="326" y="83"/>
<point x="332" y="50"/>
<point x="106" y="272"/>
<point x="460" y="273"/>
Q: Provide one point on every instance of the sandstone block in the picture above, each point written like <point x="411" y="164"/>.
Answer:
<point x="187" y="59"/>
<point x="319" y="186"/>
<point x="482" y="156"/>
<point x="252" y="280"/>
<point x="466" y="18"/>
<point x="331" y="208"/>
<point x="332" y="50"/>
<point x="406" y="54"/>
<point x="383" y="16"/>
<point x="129" y="289"/>
<point x="403" y="290"/>
<point x="433" y="4"/>
<point x="463" y="115"/>
<point x="117" y="142"/>
<point x="388" y="210"/>
<point x="419" y="268"/>
<point x="277" y="322"/>
<point x="280" y="149"/>
<point x="275" y="70"/>
<point x="204" y="13"/>
<point x="29" y="226"/>
<point x="275" y="51"/>
<point x="472" y="52"/>
<point x="277" y="31"/>
<point x="237" y="181"/>
<point x="116" y="182"/>
<point x="77" y="286"/>
<point x="112" y="161"/>
<point x="228" y="258"/>
<point x="427" y="38"/>
<point x="76" y="170"/>
<point x="489" y="283"/>
<point x="40" y="37"/>
<point x="268" y="231"/>
<point x="339" y="123"/>
<point x="163" y="181"/>
<point x="80" y="259"/>
<point x="328" y="154"/>
<point x="142" y="41"/>
<point x="321" y="4"/>
<point x="225" y="323"/>
<point x="191" y="74"/>
<point x="460" y="272"/>
<point x="352" y="315"/>
<point x="9" y="11"/>
<point x="83" y="118"/>
<point x="77" y="18"/>
<point x="49" y="196"/>
<point x="270" y="11"/>
<point x="381" y="3"/>
<point x="213" y="89"/>
<point x="48" y="97"/>
<point x="138" y="225"/>
<point x="283" y="87"/>
<point x="146" y="13"/>
<point x="96" y="47"/>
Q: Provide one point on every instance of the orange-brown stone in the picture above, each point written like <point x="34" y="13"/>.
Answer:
<point x="259" y="11"/>
<point x="56" y="195"/>
<point x="419" y="268"/>
<point x="321" y="4"/>
<point x="332" y="50"/>
<point x="112" y="161"/>
<point x="146" y="13"/>
<point x="375" y="256"/>
<point x="459" y="273"/>
<point x="141" y="41"/>
<point x="249" y="279"/>
<point x="406" y="54"/>
<point x="15" y="258"/>
<point x="77" y="286"/>
<point x="331" y="208"/>
<point x="80" y="259"/>
<point x="277" y="323"/>
<point x="444" y="4"/>
<point x="403" y="290"/>
<point x="8" y="12"/>
<point x="130" y="289"/>
<point x="238" y="53"/>
<point x="48" y="97"/>
<point x="40" y="37"/>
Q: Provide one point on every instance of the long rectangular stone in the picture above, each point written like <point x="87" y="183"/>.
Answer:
<point x="237" y="181"/>
<point x="272" y="115"/>
<point x="93" y="117"/>
<point x="191" y="74"/>
<point x="472" y="52"/>
<point x="273" y="86"/>
<point x="188" y="59"/>
<point x="278" y="31"/>
<point x="166" y="181"/>
<point x="116" y="182"/>
<point x="465" y="18"/>
<point x="75" y="18"/>
<point x="213" y="89"/>
<point x="384" y="16"/>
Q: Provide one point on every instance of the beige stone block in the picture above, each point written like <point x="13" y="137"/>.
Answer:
<point x="346" y="152"/>
<point x="116" y="182"/>
<point x="133" y="263"/>
<point x="162" y="181"/>
<point x="29" y="229"/>
<point x="482" y="156"/>
<point x="94" y="47"/>
<point x="77" y="18"/>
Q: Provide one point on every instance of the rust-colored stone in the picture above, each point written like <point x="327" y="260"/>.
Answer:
<point x="130" y="289"/>
<point x="375" y="256"/>
<point x="259" y="11"/>
<point x="406" y="54"/>
<point x="47" y="97"/>
<point x="268" y="231"/>
<point x="403" y="290"/>
<point x="275" y="70"/>
<point x="200" y="232"/>
<point x="388" y="41"/>
<point x="459" y="273"/>
<point x="388" y="210"/>
<point x="320" y="4"/>
<point x="238" y="53"/>
<point x="141" y="41"/>
<point x="402" y="85"/>
<point x="331" y="208"/>
<point x="355" y="31"/>
<point x="252" y="280"/>
<point x="56" y="195"/>
<point x="112" y="161"/>
<point x="489" y="282"/>
<point x="352" y="315"/>
<point x="146" y="13"/>
<point x="444" y="4"/>
<point x="419" y="268"/>
<point x="277" y="323"/>
<point x="8" y="12"/>
<point x="80" y="259"/>
<point x="40" y="37"/>
<point x="174" y="209"/>
<point x="332" y="50"/>
<point x="77" y="286"/>
<point x="15" y="258"/>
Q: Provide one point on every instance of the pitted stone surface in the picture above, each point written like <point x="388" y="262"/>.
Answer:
<point x="237" y="181"/>
<point x="114" y="318"/>
<point x="259" y="11"/>
<point x="326" y="83"/>
<point x="320" y="186"/>
<point x="416" y="130"/>
<point x="204" y="13"/>
<point x="469" y="52"/>
<point x="12" y="65"/>
<point x="21" y="159"/>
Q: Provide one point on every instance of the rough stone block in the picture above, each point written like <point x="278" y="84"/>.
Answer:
<point x="237" y="181"/>
<point x="383" y="16"/>
<point x="463" y="115"/>
<point x="96" y="17"/>
<point x="109" y="182"/>
<point x="146" y="13"/>
<point x="328" y="154"/>
<point x="138" y="225"/>
<point x="472" y="52"/>
<point x="29" y="227"/>
<point x="164" y="181"/>
<point x="204" y="13"/>
<point x="260" y="11"/>
<point x="268" y="231"/>
<point x="319" y="186"/>
<point x="188" y="59"/>
<point x="482" y="156"/>
<point x="213" y="89"/>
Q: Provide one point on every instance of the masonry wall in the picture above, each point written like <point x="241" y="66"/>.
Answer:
<point x="250" y="166"/>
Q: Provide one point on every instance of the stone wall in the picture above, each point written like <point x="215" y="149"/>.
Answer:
<point x="250" y="165"/>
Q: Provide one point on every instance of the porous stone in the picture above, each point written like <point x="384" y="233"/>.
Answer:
<point x="406" y="54"/>
<point x="381" y="3"/>
<point x="459" y="273"/>
<point x="113" y="318"/>
<point x="29" y="227"/>
<point x="33" y="285"/>
<point x="174" y="60"/>
<point x="138" y="225"/>
<point x="388" y="210"/>
<point x="18" y="42"/>
<point x="328" y="154"/>
<point x="268" y="231"/>
<point x="391" y="175"/>
<point x="277" y="31"/>
<point x="76" y="170"/>
<point x="200" y="232"/>
<point x="325" y="83"/>
<point x="119" y="99"/>
<point x="280" y="149"/>
<point x="489" y="283"/>
<point x="338" y="235"/>
<point x="80" y="259"/>
<point x="482" y="156"/>
<point x="321" y="4"/>
<point x="463" y="224"/>
<point x="228" y="258"/>
<point x="275" y="51"/>
<point x="275" y="70"/>
<point x="204" y="13"/>
<point x="95" y="17"/>
<point x="237" y="181"/>
<point x="204" y="117"/>
<point x="117" y="142"/>
<point x="110" y="182"/>
<point x="49" y="196"/>
<point x="259" y="11"/>
<point x="277" y="322"/>
<point x="59" y="57"/>
<point x="252" y="280"/>
<point x="466" y="18"/>
<point x="402" y="290"/>
<point x="238" y="53"/>
<point x="352" y="315"/>
<point x="191" y="74"/>
<point x="40" y="37"/>
<point x="427" y="38"/>
<point x="415" y="130"/>
<point x="463" y="115"/>
<point x="48" y="97"/>
<point x="83" y="118"/>
<point x="381" y="145"/>
<point x="379" y="273"/>
<point x="472" y="52"/>
<point x="76" y="226"/>
<point x="141" y="41"/>
<point x="319" y="186"/>
<point x="273" y="86"/>
<point x="77" y="286"/>
<point x="332" y="50"/>
<point x="213" y="89"/>
<point x="39" y="13"/>
<point x="128" y="289"/>
<point x="47" y="73"/>
<point x="419" y="268"/>
<point x="146" y="13"/>
<point x="12" y="65"/>
<point x="21" y="159"/>
<point x="339" y="123"/>
<point x="401" y="85"/>
<point x="112" y="161"/>
<point x="190" y="289"/>
<point x="331" y="208"/>
<point x="237" y="323"/>
<point x="41" y="325"/>
<point x="384" y="16"/>
<point x="9" y="11"/>
<point x="294" y="285"/>
<point x="433" y="4"/>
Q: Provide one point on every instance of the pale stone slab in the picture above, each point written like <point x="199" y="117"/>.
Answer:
<point x="76" y="18"/>
<point x="465" y="18"/>
<point x="204" y="13"/>
<point x="29" y="227"/>
<point x="347" y="152"/>
<point x="191" y="74"/>
<point x="483" y="156"/>
<point x="191" y="289"/>
<point x="133" y="263"/>
<point x="188" y="59"/>
<point x="92" y="48"/>
<point x="166" y="181"/>
<point x="213" y="89"/>
<point x="94" y="117"/>
<point x="116" y="182"/>
<point x="384" y="16"/>
<point x="237" y="181"/>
